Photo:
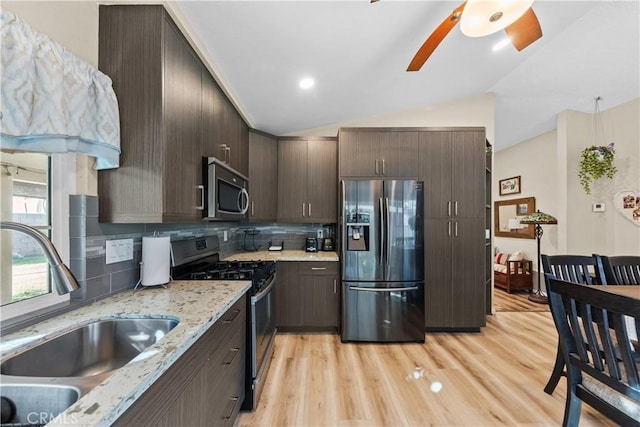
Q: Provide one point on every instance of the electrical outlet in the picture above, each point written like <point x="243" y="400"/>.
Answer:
<point x="320" y="234"/>
<point x="225" y="236"/>
<point x="118" y="250"/>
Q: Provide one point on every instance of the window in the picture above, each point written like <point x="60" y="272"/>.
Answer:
<point x="25" y="281"/>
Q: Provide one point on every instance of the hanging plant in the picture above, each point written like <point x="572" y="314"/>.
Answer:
<point x="596" y="163"/>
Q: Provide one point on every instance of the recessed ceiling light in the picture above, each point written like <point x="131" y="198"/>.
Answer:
<point x="501" y="44"/>
<point x="306" y="83"/>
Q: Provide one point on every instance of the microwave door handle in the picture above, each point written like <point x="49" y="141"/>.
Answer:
<point x="244" y="195"/>
<point x="201" y="207"/>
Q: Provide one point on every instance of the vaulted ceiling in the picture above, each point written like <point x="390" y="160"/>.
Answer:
<point x="358" y="52"/>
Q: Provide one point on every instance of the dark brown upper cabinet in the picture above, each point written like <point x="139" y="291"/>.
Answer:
<point x="224" y="132"/>
<point x="307" y="180"/>
<point x="172" y="113"/>
<point x="263" y="177"/>
<point x="378" y="153"/>
<point x="453" y="166"/>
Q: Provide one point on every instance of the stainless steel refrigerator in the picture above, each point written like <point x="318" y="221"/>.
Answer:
<point x="382" y="260"/>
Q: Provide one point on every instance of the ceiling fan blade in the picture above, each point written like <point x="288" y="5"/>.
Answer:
<point x="435" y="39"/>
<point x="525" y="30"/>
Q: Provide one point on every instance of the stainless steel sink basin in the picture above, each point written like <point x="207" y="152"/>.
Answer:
<point x="35" y="403"/>
<point x="92" y="349"/>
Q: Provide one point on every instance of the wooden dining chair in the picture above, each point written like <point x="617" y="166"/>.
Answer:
<point x="572" y="268"/>
<point x="601" y="370"/>
<point x="618" y="270"/>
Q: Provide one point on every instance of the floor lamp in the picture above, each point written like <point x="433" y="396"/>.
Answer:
<point x="538" y="218"/>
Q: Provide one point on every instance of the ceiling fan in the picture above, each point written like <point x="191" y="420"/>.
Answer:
<point x="483" y="17"/>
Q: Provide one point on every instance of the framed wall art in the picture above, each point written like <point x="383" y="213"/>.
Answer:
<point x="510" y="186"/>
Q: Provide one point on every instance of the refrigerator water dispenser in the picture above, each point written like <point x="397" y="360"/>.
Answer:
<point x="358" y="237"/>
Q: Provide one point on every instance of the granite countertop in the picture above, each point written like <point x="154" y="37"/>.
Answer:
<point x="285" y="255"/>
<point x="197" y="305"/>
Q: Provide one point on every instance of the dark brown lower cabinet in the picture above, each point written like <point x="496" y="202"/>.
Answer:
<point x="454" y="274"/>
<point x="307" y="296"/>
<point x="205" y="386"/>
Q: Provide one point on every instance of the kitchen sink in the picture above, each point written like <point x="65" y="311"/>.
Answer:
<point x="92" y="349"/>
<point x="35" y="404"/>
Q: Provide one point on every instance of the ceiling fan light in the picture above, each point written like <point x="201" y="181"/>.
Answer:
<point x="484" y="17"/>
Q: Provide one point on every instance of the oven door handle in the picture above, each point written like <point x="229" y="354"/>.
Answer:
<point x="263" y="293"/>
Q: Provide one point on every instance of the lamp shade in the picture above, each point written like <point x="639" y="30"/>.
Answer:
<point x="484" y="17"/>
<point x="538" y="218"/>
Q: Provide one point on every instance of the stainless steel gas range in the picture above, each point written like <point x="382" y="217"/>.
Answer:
<point x="199" y="259"/>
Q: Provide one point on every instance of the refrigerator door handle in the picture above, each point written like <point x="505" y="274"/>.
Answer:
<point x="382" y="231"/>
<point x="359" y="288"/>
<point x="387" y="230"/>
<point x="344" y="221"/>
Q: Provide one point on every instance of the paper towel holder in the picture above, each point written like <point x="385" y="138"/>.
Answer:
<point x="156" y="262"/>
<point x="139" y="284"/>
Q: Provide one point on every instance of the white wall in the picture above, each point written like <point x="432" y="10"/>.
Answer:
<point x="535" y="161"/>
<point x="548" y="165"/>
<point x="607" y="232"/>
<point x="476" y="110"/>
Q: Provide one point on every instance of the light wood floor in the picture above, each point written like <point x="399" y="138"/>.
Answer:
<point x="515" y="301"/>
<point x="494" y="377"/>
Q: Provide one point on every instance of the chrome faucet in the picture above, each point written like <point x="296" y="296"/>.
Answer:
<point x="65" y="282"/>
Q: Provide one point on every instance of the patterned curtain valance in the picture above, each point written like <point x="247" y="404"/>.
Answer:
<point x="51" y="101"/>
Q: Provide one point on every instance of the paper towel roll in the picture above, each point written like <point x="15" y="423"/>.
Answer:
<point x="156" y="257"/>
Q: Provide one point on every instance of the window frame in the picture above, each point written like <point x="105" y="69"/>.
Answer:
<point x="62" y="183"/>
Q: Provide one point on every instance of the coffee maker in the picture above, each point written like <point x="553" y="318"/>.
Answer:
<point x="311" y="245"/>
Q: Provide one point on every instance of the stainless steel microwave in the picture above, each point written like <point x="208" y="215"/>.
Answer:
<point x="227" y="195"/>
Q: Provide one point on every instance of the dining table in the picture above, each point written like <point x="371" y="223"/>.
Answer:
<point x="631" y="291"/>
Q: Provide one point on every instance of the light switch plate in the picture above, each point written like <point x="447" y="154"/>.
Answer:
<point x="119" y="250"/>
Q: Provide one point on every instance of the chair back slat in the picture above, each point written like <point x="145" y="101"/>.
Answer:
<point x="572" y="268"/>
<point x="618" y="270"/>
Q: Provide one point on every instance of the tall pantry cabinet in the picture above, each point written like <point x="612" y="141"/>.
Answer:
<point x="452" y="166"/>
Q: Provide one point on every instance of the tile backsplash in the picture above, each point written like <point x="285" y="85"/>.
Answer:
<point x="98" y="279"/>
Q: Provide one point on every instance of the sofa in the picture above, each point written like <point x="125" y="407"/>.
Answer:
<point x="512" y="272"/>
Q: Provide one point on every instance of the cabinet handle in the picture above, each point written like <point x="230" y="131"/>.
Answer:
<point x="449" y="228"/>
<point x="201" y="207"/>
<point x="252" y="208"/>
<point x="455" y="208"/>
<point x="449" y="208"/>
<point x="229" y="159"/>
<point x="335" y="286"/>
<point x="309" y="209"/>
<point x="234" y="352"/>
<point x="377" y="170"/>
<point x="456" y="229"/>
<point x="383" y="172"/>
<point x="224" y="152"/>
<point x="235" y="401"/>
<point x="318" y="268"/>
<point x="303" y="209"/>
<point x="233" y="316"/>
